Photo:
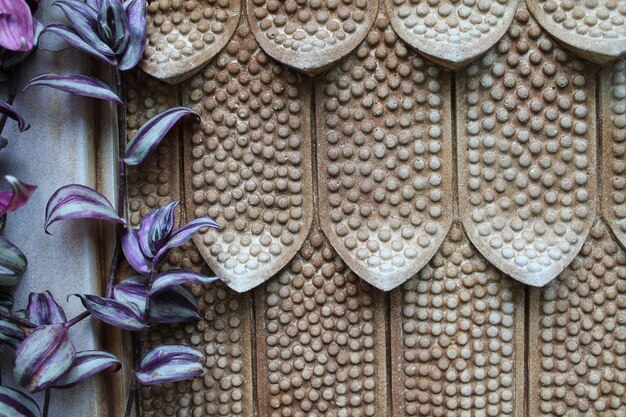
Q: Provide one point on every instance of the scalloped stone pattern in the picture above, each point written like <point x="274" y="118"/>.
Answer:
<point x="613" y="110"/>
<point x="249" y="162"/>
<point x="527" y="154"/>
<point x="451" y="32"/>
<point x="578" y="335"/>
<point x="154" y="183"/>
<point x="384" y="158"/>
<point x="184" y="35"/>
<point x="321" y="344"/>
<point x="457" y="337"/>
<point x="310" y="35"/>
<point x="595" y="29"/>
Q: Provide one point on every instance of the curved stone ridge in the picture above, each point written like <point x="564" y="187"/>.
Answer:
<point x="156" y="182"/>
<point x="613" y="168"/>
<point x="578" y="335"/>
<point x="248" y="165"/>
<point x="321" y="343"/>
<point x="527" y="154"/>
<point x="310" y="35"/>
<point x="457" y="337"/>
<point x="595" y="29"/>
<point x="384" y="159"/>
<point x="451" y="32"/>
<point x="183" y="35"/>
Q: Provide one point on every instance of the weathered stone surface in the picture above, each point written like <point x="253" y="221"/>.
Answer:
<point x="384" y="158"/>
<point x="310" y="36"/>
<point x="527" y="152"/>
<point x="577" y="335"/>
<point x="183" y="35"/>
<point x="321" y="339"/>
<point x="248" y="164"/>
<point x="457" y="337"/>
<point x="594" y="29"/>
<point x="451" y="32"/>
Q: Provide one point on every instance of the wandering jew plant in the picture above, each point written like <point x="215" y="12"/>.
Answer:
<point x="45" y="356"/>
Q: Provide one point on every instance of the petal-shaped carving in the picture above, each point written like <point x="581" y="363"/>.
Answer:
<point x="184" y="35"/>
<point x="310" y="35"/>
<point x="455" y="326"/>
<point x="594" y="29"/>
<point x="576" y="334"/>
<point x="248" y="165"/>
<point x="451" y="32"/>
<point x="613" y="133"/>
<point x="384" y="158"/>
<point x="527" y="154"/>
<point x="321" y="339"/>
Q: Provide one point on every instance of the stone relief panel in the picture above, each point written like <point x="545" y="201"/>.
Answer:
<point x="451" y="32"/>
<point x="384" y="158"/>
<point x="578" y="335"/>
<point x="248" y="164"/>
<point x="527" y="152"/>
<point x="310" y="35"/>
<point x="594" y="29"/>
<point x="184" y="35"/>
<point x="457" y="337"/>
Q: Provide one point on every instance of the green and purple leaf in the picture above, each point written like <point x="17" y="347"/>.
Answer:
<point x="10" y="334"/>
<point x="150" y="135"/>
<point x="17" y="197"/>
<point x="13" y="264"/>
<point x="137" y="32"/>
<point x="16" y="404"/>
<point x="113" y="24"/>
<point x="84" y="21"/>
<point x="10" y="112"/>
<point x="16" y="25"/>
<point x="81" y="85"/>
<point x="43" y="357"/>
<point x="175" y="305"/>
<point x="85" y="365"/>
<point x="184" y="234"/>
<point x="113" y="312"/>
<point x="70" y="36"/>
<point x="133" y="253"/>
<point x="170" y="363"/>
<point x="79" y="202"/>
<point x="156" y="228"/>
<point x="42" y="309"/>
<point x="6" y="301"/>
<point x="176" y="277"/>
<point x="133" y="290"/>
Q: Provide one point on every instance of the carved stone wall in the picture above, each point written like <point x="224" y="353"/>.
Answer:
<point x="422" y="204"/>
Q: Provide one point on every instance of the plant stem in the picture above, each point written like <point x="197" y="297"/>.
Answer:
<point x="17" y="320"/>
<point x="46" y="403"/>
<point x="132" y="394"/>
<point x="82" y="316"/>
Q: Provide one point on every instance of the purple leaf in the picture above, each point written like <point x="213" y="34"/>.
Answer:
<point x="79" y="202"/>
<point x="43" y="357"/>
<point x="85" y="365"/>
<point x="70" y="36"/>
<point x="17" y="197"/>
<point x="113" y="26"/>
<point x="43" y="309"/>
<point x="82" y="85"/>
<point x="182" y="235"/>
<point x="10" y="334"/>
<point x="133" y="290"/>
<point x="133" y="253"/>
<point x="113" y="312"/>
<point x="13" y="263"/>
<point x="175" y="277"/>
<point x="16" y="25"/>
<point x="137" y="31"/>
<point x="155" y="229"/>
<point x="9" y="111"/>
<point x="15" y="404"/>
<point x="175" y="305"/>
<point x="84" y="20"/>
<point x="170" y="363"/>
<point x="152" y="133"/>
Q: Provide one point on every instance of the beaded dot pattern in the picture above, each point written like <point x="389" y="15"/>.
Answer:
<point x="321" y="349"/>
<point x="527" y="152"/>
<point x="452" y="32"/>
<point x="249" y="162"/>
<point x="457" y="337"/>
<point x="183" y="35"/>
<point x="578" y="335"/>
<point x="310" y="35"/>
<point x="384" y="158"/>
